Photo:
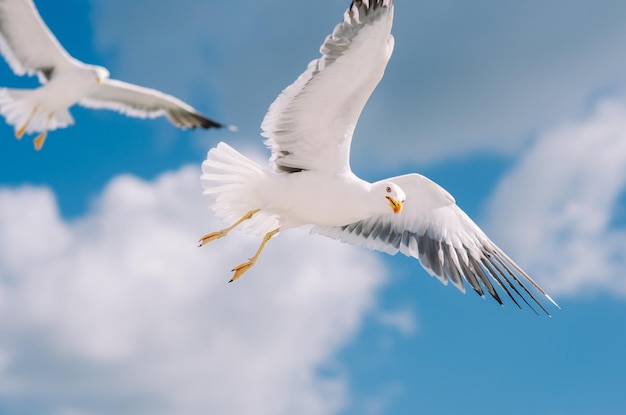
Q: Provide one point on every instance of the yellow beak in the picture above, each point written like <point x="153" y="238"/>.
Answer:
<point x="396" y="205"/>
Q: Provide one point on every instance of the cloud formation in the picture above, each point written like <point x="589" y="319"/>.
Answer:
<point x="560" y="210"/>
<point x="118" y="311"/>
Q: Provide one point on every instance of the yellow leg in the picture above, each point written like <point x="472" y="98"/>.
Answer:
<point x="219" y="234"/>
<point x="241" y="268"/>
<point x="39" y="140"/>
<point x="20" y="132"/>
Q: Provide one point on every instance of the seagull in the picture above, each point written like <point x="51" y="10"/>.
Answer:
<point x="309" y="130"/>
<point x="30" y="48"/>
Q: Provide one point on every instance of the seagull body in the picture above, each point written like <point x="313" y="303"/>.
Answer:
<point x="309" y="131"/>
<point x="292" y="200"/>
<point x="30" y="48"/>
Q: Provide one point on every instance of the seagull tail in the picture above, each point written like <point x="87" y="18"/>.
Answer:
<point x="231" y="181"/>
<point x="21" y="110"/>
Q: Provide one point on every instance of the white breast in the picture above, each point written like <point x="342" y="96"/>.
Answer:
<point x="67" y="88"/>
<point x="308" y="198"/>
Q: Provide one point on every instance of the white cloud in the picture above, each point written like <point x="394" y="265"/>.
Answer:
<point x="403" y="320"/>
<point x="379" y="403"/>
<point x="555" y="210"/>
<point x="119" y="311"/>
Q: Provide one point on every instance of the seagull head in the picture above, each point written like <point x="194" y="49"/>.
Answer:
<point x="101" y="73"/>
<point x="393" y="194"/>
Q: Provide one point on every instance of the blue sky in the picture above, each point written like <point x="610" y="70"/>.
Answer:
<point x="519" y="110"/>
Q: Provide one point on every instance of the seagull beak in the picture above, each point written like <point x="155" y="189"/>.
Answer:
<point x="396" y="205"/>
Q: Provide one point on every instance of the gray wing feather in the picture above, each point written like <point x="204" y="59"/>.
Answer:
<point x="448" y="244"/>
<point x="310" y="125"/>
<point x="137" y="101"/>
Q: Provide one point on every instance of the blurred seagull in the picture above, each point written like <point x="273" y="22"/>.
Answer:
<point x="29" y="47"/>
<point x="309" y="129"/>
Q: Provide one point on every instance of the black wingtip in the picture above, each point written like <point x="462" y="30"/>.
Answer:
<point x="206" y="123"/>
<point x="371" y="4"/>
<point x="193" y="119"/>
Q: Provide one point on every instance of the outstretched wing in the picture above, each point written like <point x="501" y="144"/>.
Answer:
<point x="27" y="44"/>
<point x="448" y="244"/>
<point x="137" y="101"/>
<point x="310" y="125"/>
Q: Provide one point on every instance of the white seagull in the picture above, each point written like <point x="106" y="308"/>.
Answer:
<point x="309" y="129"/>
<point x="30" y="48"/>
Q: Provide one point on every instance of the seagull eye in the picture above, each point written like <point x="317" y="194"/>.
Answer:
<point x="388" y="189"/>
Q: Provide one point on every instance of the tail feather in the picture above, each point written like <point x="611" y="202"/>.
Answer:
<point x="231" y="181"/>
<point x="19" y="109"/>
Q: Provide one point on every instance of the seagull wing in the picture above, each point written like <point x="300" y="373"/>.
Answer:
<point x="310" y="125"/>
<point x="449" y="245"/>
<point x="27" y="44"/>
<point x="137" y="101"/>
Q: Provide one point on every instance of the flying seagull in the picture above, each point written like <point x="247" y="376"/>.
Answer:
<point x="309" y="129"/>
<point x="30" y="48"/>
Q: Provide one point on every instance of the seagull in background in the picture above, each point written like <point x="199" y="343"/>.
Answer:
<point x="309" y="130"/>
<point x="30" y="48"/>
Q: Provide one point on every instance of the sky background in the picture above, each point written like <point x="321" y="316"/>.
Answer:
<point x="519" y="110"/>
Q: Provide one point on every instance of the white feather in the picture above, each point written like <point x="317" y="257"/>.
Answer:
<point x="30" y="48"/>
